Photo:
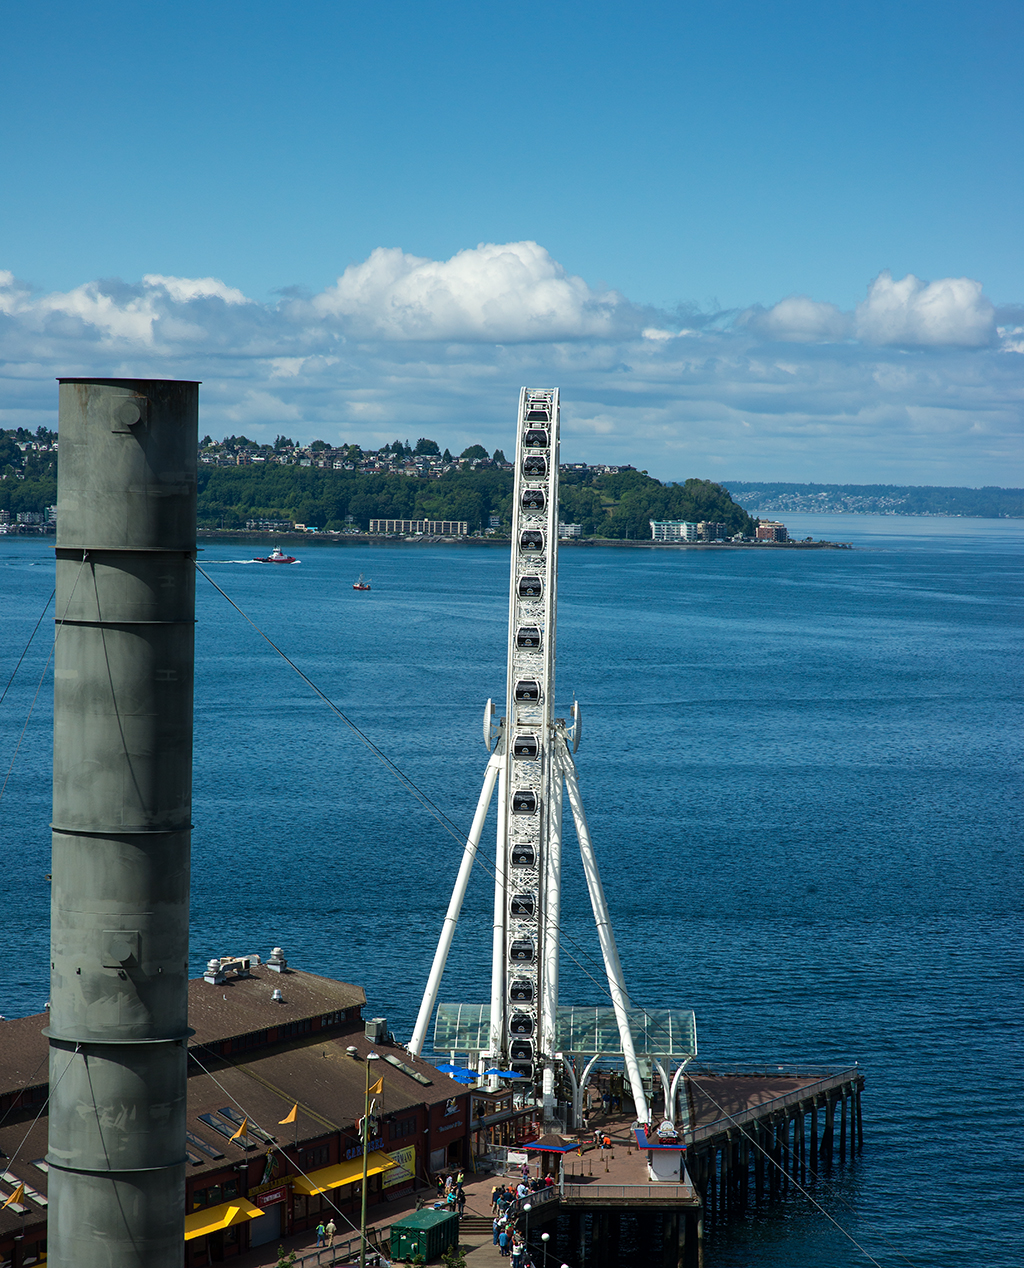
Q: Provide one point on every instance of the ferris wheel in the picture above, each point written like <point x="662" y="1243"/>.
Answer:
<point x="531" y="764"/>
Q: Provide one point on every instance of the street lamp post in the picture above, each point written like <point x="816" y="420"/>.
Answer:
<point x="545" y="1238"/>
<point x="527" y="1208"/>
<point x="370" y="1056"/>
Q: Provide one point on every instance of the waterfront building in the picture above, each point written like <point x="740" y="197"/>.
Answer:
<point x="267" y="1038"/>
<point x="710" y="532"/>
<point x="674" y="531"/>
<point x="569" y="531"/>
<point x="772" y="531"/>
<point x="432" y="528"/>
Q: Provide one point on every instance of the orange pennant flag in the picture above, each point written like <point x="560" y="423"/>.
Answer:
<point x="290" y="1116"/>
<point x="15" y="1197"/>
<point x="242" y="1130"/>
<point x="377" y="1088"/>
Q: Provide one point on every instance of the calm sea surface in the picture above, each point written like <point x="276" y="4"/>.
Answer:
<point x="802" y="772"/>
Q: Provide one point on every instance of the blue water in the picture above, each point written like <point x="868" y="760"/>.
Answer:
<point x="802" y="772"/>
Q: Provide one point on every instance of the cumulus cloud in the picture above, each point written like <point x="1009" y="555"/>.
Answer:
<point x="184" y="289"/>
<point x="799" y="319"/>
<point x="918" y="386"/>
<point x="502" y="294"/>
<point x="952" y="311"/>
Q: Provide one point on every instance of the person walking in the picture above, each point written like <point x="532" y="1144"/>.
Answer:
<point x="497" y="1229"/>
<point x="460" y="1200"/>
<point x="321" y="1233"/>
<point x="494" y="1199"/>
<point x="330" y="1230"/>
<point x="503" y="1243"/>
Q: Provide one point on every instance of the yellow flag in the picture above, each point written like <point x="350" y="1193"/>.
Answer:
<point x="15" y="1197"/>
<point x="377" y="1088"/>
<point x="290" y="1116"/>
<point x="242" y="1130"/>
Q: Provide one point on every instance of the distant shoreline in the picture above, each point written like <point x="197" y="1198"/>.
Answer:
<point x="369" y="539"/>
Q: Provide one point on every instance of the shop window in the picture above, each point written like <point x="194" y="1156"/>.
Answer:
<point x="231" y="1236"/>
<point x="403" y="1127"/>
<point x="299" y="1209"/>
<point x="302" y="1027"/>
<point x="230" y="1190"/>
<point x="198" y="1198"/>
<point x="213" y="1197"/>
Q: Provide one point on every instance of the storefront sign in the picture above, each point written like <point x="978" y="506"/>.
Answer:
<point x="275" y="1195"/>
<point x="516" y="1158"/>
<point x="357" y="1150"/>
<point x="447" y="1127"/>
<point x="404" y="1168"/>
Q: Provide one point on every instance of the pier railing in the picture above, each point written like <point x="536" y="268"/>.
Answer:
<point x="824" y="1083"/>
<point x="630" y="1192"/>
<point x="347" y="1252"/>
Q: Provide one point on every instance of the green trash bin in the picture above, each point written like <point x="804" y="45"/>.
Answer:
<point x="426" y="1233"/>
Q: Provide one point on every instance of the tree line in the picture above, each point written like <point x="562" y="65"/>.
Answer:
<point x="617" y="505"/>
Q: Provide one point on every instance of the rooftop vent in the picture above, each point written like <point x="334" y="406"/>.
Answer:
<point x="376" y="1029"/>
<point x="276" y="996"/>
<point x="218" y="969"/>
<point x="352" y="1050"/>
<point x="277" y="963"/>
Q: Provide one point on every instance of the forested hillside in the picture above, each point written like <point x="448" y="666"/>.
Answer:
<point x="618" y="505"/>
<point x="615" y="504"/>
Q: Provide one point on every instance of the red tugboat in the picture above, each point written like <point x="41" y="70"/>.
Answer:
<point x="277" y="556"/>
<point x="360" y="584"/>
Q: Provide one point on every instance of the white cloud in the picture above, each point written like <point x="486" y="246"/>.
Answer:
<point x="918" y="387"/>
<point x="501" y="294"/>
<point x="184" y="289"/>
<point x="799" y="319"/>
<point x="952" y="311"/>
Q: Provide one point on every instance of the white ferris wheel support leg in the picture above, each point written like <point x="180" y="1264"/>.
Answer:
<point x="552" y="929"/>
<point x="498" y="937"/>
<point x="455" y="906"/>
<point x="606" y="937"/>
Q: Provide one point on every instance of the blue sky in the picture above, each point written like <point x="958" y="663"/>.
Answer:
<point x="665" y="183"/>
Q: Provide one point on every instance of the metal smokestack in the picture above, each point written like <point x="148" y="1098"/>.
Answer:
<point x="122" y="794"/>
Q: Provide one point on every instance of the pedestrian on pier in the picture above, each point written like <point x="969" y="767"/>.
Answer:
<point x="330" y="1230"/>
<point x="496" y="1227"/>
<point x="503" y="1240"/>
<point x="460" y="1199"/>
<point x="321" y="1233"/>
<point x="494" y="1198"/>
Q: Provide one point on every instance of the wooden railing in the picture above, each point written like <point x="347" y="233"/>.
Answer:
<point x="654" y="1192"/>
<point x="806" y="1093"/>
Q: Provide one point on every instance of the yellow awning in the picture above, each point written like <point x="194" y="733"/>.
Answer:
<point x="215" y="1217"/>
<point x="344" y="1173"/>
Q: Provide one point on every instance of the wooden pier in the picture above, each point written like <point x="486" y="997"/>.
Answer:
<point x="753" y="1136"/>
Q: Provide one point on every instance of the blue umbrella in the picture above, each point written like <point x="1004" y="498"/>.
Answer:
<point x="464" y="1076"/>
<point x="448" y="1068"/>
<point x="494" y="1070"/>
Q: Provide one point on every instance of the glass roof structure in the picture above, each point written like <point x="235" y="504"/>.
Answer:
<point x="588" y="1031"/>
